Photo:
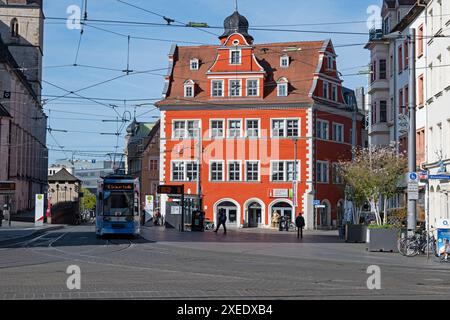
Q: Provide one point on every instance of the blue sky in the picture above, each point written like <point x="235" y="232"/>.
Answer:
<point x="103" y="49"/>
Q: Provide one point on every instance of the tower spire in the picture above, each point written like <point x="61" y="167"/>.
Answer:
<point x="236" y="5"/>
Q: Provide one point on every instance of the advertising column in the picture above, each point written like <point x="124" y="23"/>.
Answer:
<point x="39" y="214"/>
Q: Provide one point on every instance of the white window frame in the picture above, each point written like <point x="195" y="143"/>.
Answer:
<point x="326" y="89"/>
<point x="231" y="56"/>
<point x="285" y="128"/>
<point x="211" y="129"/>
<point x="336" y="179"/>
<point x="284" y="59"/>
<point x="222" y="162"/>
<point x="281" y="85"/>
<point x="319" y="123"/>
<point x="246" y="170"/>
<point x="172" y="171"/>
<point x="247" y="129"/>
<point x="230" y="130"/>
<point x="335" y="126"/>
<point x="319" y="179"/>
<point x="174" y="130"/>
<point x="222" y="89"/>
<point x="272" y="130"/>
<point x="185" y="171"/>
<point x="186" y="131"/>
<point x="334" y="92"/>
<point x="189" y="86"/>
<point x="285" y="170"/>
<point x="239" y="163"/>
<point x="230" y="89"/>
<point x="298" y="127"/>
<point x="192" y="61"/>
<point x="247" y="88"/>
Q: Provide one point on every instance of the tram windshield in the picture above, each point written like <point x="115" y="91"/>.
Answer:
<point x="118" y="203"/>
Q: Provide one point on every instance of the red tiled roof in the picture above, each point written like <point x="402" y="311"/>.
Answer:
<point x="300" y="73"/>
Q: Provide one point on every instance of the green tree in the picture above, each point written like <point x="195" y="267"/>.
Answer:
<point x="374" y="175"/>
<point x="88" y="201"/>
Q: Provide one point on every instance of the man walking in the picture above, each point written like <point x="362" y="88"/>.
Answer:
<point x="300" y="224"/>
<point x="222" y="220"/>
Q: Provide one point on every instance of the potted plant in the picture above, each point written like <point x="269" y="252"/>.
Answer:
<point x="382" y="238"/>
<point x="374" y="175"/>
<point x="355" y="233"/>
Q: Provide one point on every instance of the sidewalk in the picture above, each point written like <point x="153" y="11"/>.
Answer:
<point x="22" y="231"/>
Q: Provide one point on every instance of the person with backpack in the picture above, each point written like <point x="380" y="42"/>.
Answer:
<point x="222" y="220"/>
<point x="300" y="224"/>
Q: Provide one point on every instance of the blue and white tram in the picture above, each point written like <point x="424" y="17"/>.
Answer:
<point x="118" y="204"/>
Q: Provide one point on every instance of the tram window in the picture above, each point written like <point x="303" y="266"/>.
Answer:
<point x="118" y="202"/>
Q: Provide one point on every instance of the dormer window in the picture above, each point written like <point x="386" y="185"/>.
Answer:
<point x="282" y="87"/>
<point x="14" y="28"/>
<point x="194" y="64"/>
<point x="330" y="64"/>
<point x="235" y="56"/>
<point x="284" y="62"/>
<point x="189" y="87"/>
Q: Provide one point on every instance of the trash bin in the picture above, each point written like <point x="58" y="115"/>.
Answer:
<point x="198" y="221"/>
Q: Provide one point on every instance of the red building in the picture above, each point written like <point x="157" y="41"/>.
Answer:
<point x="258" y="107"/>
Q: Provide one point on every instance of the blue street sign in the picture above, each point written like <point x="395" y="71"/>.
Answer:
<point x="413" y="176"/>
<point x="317" y="202"/>
<point x="439" y="177"/>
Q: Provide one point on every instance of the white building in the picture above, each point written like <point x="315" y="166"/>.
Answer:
<point x="437" y="100"/>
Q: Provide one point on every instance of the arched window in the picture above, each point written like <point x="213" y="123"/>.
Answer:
<point x="189" y="89"/>
<point x="14" y="28"/>
<point x="282" y="87"/>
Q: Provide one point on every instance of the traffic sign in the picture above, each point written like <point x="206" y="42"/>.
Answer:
<point x="439" y="177"/>
<point x="413" y="186"/>
<point x="316" y="202"/>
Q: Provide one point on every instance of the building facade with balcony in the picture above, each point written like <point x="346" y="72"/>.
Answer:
<point x="262" y="126"/>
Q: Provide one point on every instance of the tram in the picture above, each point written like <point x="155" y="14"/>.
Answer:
<point x="118" y="204"/>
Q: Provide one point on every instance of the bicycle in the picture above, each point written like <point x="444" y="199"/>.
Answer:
<point x="413" y="246"/>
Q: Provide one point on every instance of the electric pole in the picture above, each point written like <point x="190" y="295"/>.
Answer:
<point x="412" y="209"/>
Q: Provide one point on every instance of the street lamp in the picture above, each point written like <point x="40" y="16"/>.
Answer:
<point x="412" y="165"/>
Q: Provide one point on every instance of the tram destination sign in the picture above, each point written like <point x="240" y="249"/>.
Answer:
<point x="165" y="189"/>
<point x="119" y="186"/>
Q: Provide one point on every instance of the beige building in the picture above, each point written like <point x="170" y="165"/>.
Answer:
<point x="23" y="152"/>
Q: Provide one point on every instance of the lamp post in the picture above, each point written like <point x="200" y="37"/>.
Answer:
<point x="295" y="183"/>
<point x="412" y="209"/>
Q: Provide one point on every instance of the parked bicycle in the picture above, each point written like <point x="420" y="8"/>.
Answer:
<point x="417" y="244"/>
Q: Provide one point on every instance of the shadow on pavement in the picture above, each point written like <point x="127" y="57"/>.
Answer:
<point x="158" y="234"/>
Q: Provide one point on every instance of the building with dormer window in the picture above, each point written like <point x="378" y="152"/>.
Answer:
<point x="257" y="108"/>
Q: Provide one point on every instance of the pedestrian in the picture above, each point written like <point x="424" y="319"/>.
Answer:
<point x="222" y="220"/>
<point x="300" y="224"/>
<point x="6" y="214"/>
<point x="1" y="217"/>
<point x="282" y="223"/>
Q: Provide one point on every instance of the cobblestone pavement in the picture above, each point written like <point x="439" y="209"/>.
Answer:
<point x="242" y="264"/>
